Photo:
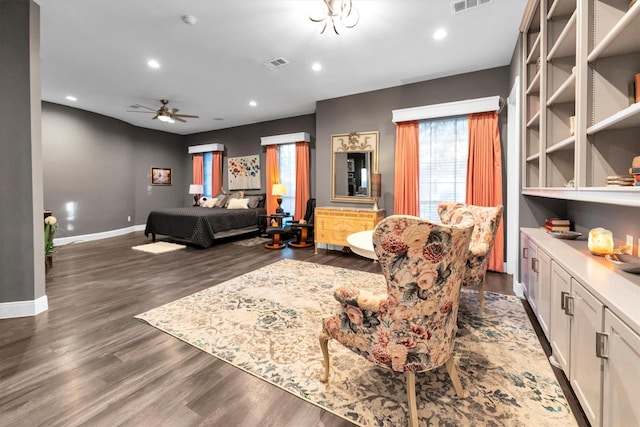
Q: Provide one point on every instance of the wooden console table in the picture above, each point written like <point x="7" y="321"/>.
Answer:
<point x="333" y="225"/>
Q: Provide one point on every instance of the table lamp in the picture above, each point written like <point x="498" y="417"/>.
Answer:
<point x="196" y="190"/>
<point x="279" y="190"/>
<point x="376" y="189"/>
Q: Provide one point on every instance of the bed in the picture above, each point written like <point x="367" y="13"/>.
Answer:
<point x="200" y="225"/>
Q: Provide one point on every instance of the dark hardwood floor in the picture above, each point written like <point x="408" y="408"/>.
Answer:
<point x="87" y="361"/>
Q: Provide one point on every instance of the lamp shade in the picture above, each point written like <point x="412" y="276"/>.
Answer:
<point x="376" y="185"/>
<point x="196" y="189"/>
<point x="278" y="189"/>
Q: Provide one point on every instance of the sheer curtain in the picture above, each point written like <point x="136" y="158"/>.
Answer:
<point x="484" y="174"/>
<point x="443" y="163"/>
<point x="406" y="187"/>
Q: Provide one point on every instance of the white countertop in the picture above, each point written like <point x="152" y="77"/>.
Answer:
<point x="616" y="289"/>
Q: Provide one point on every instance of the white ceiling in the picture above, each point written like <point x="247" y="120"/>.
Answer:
<point x="97" y="51"/>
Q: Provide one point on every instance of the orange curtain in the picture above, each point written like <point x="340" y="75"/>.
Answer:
<point x="302" y="179"/>
<point x="272" y="177"/>
<point x="406" y="188"/>
<point x="216" y="173"/>
<point x="198" y="169"/>
<point x="484" y="174"/>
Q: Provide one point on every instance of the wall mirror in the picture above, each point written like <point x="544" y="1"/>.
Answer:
<point x="354" y="157"/>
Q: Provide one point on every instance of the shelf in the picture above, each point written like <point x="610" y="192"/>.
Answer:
<point x="535" y="121"/>
<point x="534" y="54"/>
<point x="627" y="118"/>
<point x="566" y="43"/>
<point x="534" y="87"/>
<point x="565" y="93"/>
<point x="624" y="196"/>
<point x="623" y="37"/>
<point x="565" y="144"/>
<point x="561" y="8"/>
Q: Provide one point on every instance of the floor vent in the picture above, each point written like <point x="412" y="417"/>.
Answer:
<point x="464" y="5"/>
<point x="276" y="63"/>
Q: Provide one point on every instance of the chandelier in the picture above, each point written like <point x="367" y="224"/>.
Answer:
<point x="340" y="13"/>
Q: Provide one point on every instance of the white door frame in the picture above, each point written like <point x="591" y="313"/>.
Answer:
<point x="513" y="183"/>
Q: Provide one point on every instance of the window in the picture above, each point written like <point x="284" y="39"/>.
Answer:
<point x="443" y="146"/>
<point x="208" y="158"/>
<point x="287" y="166"/>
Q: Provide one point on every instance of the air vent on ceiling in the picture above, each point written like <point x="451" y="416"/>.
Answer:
<point x="463" y="5"/>
<point x="276" y="63"/>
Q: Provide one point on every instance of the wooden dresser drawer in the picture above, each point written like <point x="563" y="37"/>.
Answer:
<point x="333" y="225"/>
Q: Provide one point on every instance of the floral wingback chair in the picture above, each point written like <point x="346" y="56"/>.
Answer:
<point x="487" y="220"/>
<point x="410" y="328"/>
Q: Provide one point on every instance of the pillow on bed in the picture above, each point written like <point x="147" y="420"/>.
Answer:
<point x="221" y="201"/>
<point x="238" y="203"/>
<point x="202" y="200"/>
<point x="238" y="195"/>
<point x="209" y="203"/>
<point x="254" y="201"/>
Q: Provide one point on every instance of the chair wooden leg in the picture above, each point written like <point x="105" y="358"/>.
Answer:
<point x="411" y="398"/>
<point x="481" y="294"/>
<point x="324" y="345"/>
<point x="453" y="374"/>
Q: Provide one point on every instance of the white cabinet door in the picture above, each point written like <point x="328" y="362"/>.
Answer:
<point x="530" y="273"/>
<point x="544" y="291"/>
<point x="524" y="263"/>
<point x="560" y="320"/>
<point x="585" y="368"/>
<point x="621" y="393"/>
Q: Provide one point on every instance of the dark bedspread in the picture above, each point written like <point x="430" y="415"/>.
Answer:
<point x="199" y="225"/>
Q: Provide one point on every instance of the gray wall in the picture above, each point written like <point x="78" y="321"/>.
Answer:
<point x="371" y="111"/>
<point x="96" y="170"/>
<point x="21" y="220"/>
<point x="245" y="141"/>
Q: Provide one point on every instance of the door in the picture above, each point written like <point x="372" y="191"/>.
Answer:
<point x="544" y="291"/>
<point x="560" y="319"/>
<point x="585" y="377"/>
<point x="621" y="392"/>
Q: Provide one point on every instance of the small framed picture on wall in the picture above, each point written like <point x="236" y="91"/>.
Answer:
<point x="160" y="176"/>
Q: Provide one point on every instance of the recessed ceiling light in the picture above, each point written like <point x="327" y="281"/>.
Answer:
<point x="440" y="34"/>
<point x="153" y="63"/>
<point x="189" y="20"/>
<point x="253" y="103"/>
<point x="71" y="98"/>
<point x="316" y="66"/>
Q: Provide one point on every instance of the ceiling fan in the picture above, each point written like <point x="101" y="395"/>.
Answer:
<point x="165" y="114"/>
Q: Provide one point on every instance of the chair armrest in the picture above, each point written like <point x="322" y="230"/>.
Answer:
<point x="479" y="249"/>
<point x="365" y="300"/>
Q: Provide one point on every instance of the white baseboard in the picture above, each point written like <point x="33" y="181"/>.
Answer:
<point x="97" y="236"/>
<point x="518" y="288"/>
<point x="9" y="310"/>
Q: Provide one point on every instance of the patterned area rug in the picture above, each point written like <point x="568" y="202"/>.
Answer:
<point x="158" y="247"/>
<point x="267" y="322"/>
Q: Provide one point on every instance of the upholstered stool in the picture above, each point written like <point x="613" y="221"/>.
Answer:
<point x="276" y="233"/>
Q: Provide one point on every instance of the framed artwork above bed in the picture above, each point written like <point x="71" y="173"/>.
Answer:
<point x="160" y="176"/>
<point x="244" y="172"/>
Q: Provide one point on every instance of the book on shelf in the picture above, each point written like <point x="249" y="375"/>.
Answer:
<point x="557" y="228"/>
<point x="557" y="221"/>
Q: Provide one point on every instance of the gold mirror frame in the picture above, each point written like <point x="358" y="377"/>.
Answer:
<point x="342" y="146"/>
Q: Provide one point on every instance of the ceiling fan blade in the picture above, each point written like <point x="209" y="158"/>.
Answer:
<point x="178" y="119"/>
<point x="172" y="110"/>
<point x="190" y="116"/>
<point x="148" y="108"/>
<point x="155" y="117"/>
